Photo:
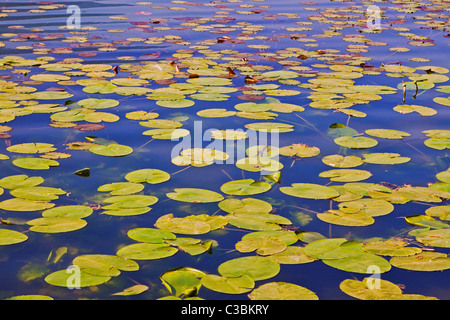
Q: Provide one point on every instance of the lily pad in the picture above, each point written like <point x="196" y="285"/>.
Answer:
<point x="339" y="161"/>
<point x="245" y="187"/>
<point x="258" y="268"/>
<point x="356" y="142"/>
<point x="111" y="150"/>
<point x="387" y="133"/>
<point x="194" y="195"/>
<point x="104" y="265"/>
<point x="385" y="158"/>
<point x="310" y="191"/>
<point x="8" y="237"/>
<point x="146" y="251"/>
<point x="35" y="163"/>
<point x="346" y="175"/>
<point x="234" y="285"/>
<point x="424" y="261"/>
<point x="16" y="204"/>
<point x="282" y="291"/>
<point x="56" y="224"/>
<point x="151" y="176"/>
<point x="64" y="278"/>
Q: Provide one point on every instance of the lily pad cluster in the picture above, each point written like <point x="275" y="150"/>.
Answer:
<point x="239" y="79"/>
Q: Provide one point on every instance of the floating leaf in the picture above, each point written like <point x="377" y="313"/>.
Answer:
<point x="20" y="181"/>
<point x="146" y="251"/>
<point x="64" y="278"/>
<point x="339" y="161"/>
<point x="194" y="195"/>
<point x="151" y="176"/>
<point x="234" y="285"/>
<point x="104" y="265"/>
<point x="368" y="289"/>
<point x="150" y="235"/>
<point x="356" y="142"/>
<point x="387" y="133"/>
<point x="338" y="217"/>
<point x="111" y="150"/>
<point x="131" y="291"/>
<point x="393" y="248"/>
<point x="17" y="204"/>
<point x="282" y="291"/>
<point x="424" y="261"/>
<point x="31" y="148"/>
<point x="310" y="191"/>
<point x="8" y="237"/>
<point x="182" y="281"/>
<point x="258" y="268"/>
<point x="244" y="187"/>
<point x="385" y="158"/>
<point x="423" y="111"/>
<point x="35" y="163"/>
<point x="346" y="175"/>
<point x="263" y="245"/>
<point x="121" y="188"/>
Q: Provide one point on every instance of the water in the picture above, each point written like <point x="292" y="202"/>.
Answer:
<point x="279" y="25"/>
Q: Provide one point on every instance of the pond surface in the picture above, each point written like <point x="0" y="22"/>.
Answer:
<point x="94" y="94"/>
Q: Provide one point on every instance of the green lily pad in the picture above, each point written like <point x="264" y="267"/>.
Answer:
<point x="270" y="127"/>
<point x="93" y="103"/>
<point x="387" y="133"/>
<point x="20" y="181"/>
<point x="8" y="237"/>
<point x="166" y="134"/>
<point x="259" y="164"/>
<point x="445" y="101"/>
<point x="56" y="224"/>
<point x="24" y="205"/>
<point x="215" y="113"/>
<point x="129" y="201"/>
<point x="245" y="187"/>
<point x="377" y="289"/>
<point x="356" y="142"/>
<point x="434" y="237"/>
<point x="63" y="278"/>
<point x="282" y="291"/>
<point x="310" y="191"/>
<point x="258" y="268"/>
<point x="424" y="261"/>
<point x="187" y="225"/>
<point x="234" y="285"/>
<point x="257" y="221"/>
<point x="423" y="111"/>
<point x="299" y="150"/>
<point x="385" y="158"/>
<point x="263" y="245"/>
<point x="150" y="235"/>
<point x="246" y="205"/>
<point x="339" y="161"/>
<point x="111" y="150"/>
<point x="71" y="211"/>
<point x="131" y="291"/>
<point x="346" y="175"/>
<point x="30" y="297"/>
<point x="147" y="251"/>
<point x="359" y="219"/>
<point x="372" y="207"/>
<point x="442" y="212"/>
<point x="194" y="195"/>
<point x="426" y="221"/>
<point x="292" y="255"/>
<point x="121" y="188"/>
<point x="35" y="163"/>
<point x="183" y="281"/>
<point x="31" y="148"/>
<point x="151" y="176"/>
<point x="104" y="265"/>
<point x="438" y="143"/>
<point x="393" y="248"/>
